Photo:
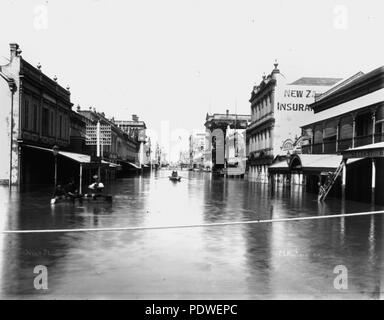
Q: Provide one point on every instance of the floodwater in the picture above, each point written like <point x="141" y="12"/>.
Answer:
<point x="293" y="260"/>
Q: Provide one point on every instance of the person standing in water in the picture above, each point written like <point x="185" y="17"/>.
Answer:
<point x="71" y="190"/>
<point x="97" y="187"/>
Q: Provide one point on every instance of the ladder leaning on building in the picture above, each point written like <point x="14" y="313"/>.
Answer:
<point x="331" y="179"/>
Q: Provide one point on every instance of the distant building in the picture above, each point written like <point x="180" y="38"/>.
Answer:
<point x="134" y="128"/>
<point x="122" y="149"/>
<point x="216" y="130"/>
<point x="278" y="109"/>
<point x="235" y="152"/>
<point x="137" y="130"/>
<point x="197" y="150"/>
<point x="77" y="133"/>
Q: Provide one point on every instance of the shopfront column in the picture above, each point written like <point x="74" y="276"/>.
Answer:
<point x="373" y="125"/>
<point x="353" y="129"/>
<point x="373" y="183"/>
<point x="343" y="179"/>
<point x="337" y="135"/>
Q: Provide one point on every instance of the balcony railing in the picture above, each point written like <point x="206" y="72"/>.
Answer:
<point x="330" y="147"/>
<point x="379" y="137"/>
<point x="344" y="144"/>
<point x="363" y="140"/>
<point x="306" y="149"/>
<point x="317" y="148"/>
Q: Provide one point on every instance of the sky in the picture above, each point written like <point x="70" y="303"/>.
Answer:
<point x="171" y="62"/>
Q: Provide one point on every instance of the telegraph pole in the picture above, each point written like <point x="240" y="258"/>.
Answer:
<point x="98" y="146"/>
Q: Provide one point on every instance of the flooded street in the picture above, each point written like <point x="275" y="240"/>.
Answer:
<point x="294" y="259"/>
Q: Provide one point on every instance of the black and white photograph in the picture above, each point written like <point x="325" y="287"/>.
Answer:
<point x="179" y="150"/>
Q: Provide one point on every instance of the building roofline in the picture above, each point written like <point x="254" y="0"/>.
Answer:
<point x="362" y="85"/>
<point x="315" y="81"/>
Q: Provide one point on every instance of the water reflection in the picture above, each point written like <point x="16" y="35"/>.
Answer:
<point x="279" y="260"/>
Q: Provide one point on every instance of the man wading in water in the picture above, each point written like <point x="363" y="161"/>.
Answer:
<point x="96" y="187"/>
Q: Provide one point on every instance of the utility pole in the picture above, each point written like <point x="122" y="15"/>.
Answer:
<point x="98" y="146"/>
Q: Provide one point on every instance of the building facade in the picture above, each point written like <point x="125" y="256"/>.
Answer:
<point x="36" y="111"/>
<point x="136" y="130"/>
<point x="197" y="150"/>
<point x="216" y="131"/>
<point x="122" y="148"/>
<point x="348" y="123"/>
<point x="278" y="108"/>
<point x="77" y="132"/>
<point x="235" y="152"/>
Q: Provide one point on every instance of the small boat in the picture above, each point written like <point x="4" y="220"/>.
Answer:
<point x="178" y="178"/>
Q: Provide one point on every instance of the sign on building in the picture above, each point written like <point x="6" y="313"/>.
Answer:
<point x="287" y="145"/>
<point x="91" y="135"/>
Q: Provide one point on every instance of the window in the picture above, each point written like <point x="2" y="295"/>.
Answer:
<point x="52" y="123"/>
<point x="60" y="126"/>
<point x="26" y="114"/>
<point x="35" y="118"/>
<point x="45" y="122"/>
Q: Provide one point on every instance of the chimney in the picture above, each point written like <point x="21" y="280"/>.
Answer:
<point x="135" y="118"/>
<point x="14" y="49"/>
<point x="227" y="112"/>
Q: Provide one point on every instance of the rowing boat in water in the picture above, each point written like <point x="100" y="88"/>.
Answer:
<point x="178" y="178"/>
<point x="88" y="197"/>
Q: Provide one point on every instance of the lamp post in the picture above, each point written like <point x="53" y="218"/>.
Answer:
<point x="55" y="151"/>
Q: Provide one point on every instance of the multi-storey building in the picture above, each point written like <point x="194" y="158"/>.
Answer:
<point x="278" y="108"/>
<point x="123" y="149"/>
<point x="348" y="126"/>
<point x="35" y="112"/>
<point x="235" y="152"/>
<point x="136" y="130"/>
<point x="197" y="150"/>
<point x="216" y="131"/>
<point x="77" y="133"/>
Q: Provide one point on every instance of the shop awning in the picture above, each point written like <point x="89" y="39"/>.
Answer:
<point x="134" y="165"/>
<point x="78" y="157"/>
<point x="279" y="167"/>
<point x="374" y="150"/>
<point x="130" y="163"/>
<point x="310" y="163"/>
<point x="114" y="165"/>
<point x="315" y="162"/>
